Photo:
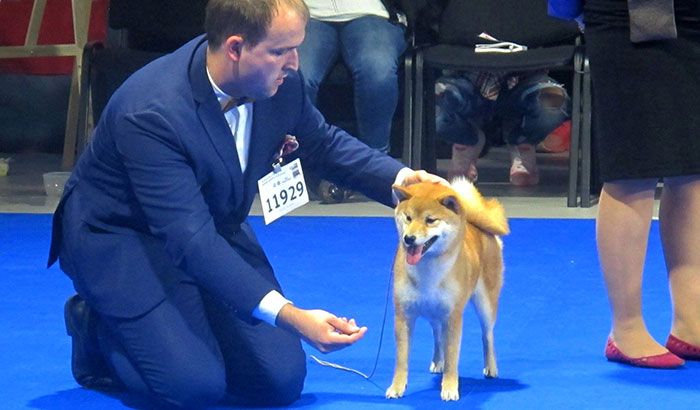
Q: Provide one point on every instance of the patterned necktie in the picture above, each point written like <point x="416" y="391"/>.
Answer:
<point x="232" y="103"/>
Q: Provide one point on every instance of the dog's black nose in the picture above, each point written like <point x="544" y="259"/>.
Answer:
<point x="409" y="240"/>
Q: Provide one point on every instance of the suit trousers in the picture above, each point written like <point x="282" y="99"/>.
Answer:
<point x="190" y="351"/>
<point x="187" y="349"/>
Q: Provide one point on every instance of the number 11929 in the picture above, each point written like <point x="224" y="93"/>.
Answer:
<point x="285" y="195"/>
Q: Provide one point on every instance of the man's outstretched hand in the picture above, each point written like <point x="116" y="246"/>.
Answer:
<point x="322" y="330"/>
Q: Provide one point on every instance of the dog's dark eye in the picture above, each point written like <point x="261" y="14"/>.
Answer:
<point x="408" y="218"/>
<point x="430" y="220"/>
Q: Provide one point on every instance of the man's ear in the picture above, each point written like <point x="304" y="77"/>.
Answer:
<point x="234" y="47"/>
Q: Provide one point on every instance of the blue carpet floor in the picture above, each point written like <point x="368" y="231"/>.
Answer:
<point x="550" y="334"/>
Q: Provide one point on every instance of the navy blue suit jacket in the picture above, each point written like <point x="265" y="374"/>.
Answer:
<point x="159" y="197"/>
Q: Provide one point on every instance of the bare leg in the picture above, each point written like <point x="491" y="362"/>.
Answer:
<point x="622" y="233"/>
<point x="680" y="234"/>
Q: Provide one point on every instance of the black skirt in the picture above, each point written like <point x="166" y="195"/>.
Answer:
<point x="646" y="96"/>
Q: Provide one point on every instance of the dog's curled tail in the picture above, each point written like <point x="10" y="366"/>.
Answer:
<point x="486" y="214"/>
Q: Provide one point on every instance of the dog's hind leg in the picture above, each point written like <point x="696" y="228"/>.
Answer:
<point x="438" y="362"/>
<point x="486" y="307"/>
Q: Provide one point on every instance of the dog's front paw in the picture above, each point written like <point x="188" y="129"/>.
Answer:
<point x="437" y="367"/>
<point x="449" y="393"/>
<point x="450" y="388"/>
<point x="394" y="391"/>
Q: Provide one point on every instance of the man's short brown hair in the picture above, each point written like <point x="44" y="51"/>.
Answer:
<point x="248" y="18"/>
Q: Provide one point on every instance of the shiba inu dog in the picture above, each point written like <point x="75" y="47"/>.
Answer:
<point x="449" y="249"/>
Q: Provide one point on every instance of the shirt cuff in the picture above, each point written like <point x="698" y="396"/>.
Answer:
<point x="401" y="175"/>
<point x="270" y="306"/>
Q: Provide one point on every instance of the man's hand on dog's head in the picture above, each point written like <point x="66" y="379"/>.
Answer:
<point x="407" y="176"/>
<point x="322" y="330"/>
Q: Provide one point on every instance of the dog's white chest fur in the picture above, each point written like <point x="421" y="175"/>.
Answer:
<point x="429" y="291"/>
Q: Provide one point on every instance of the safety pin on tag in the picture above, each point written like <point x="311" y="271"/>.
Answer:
<point x="277" y="165"/>
<point x="289" y="145"/>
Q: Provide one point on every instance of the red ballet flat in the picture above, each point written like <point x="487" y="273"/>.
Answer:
<point x="666" y="360"/>
<point x="682" y="349"/>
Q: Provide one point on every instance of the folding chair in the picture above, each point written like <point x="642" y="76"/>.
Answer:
<point x="551" y="44"/>
<point x="80" y="10"/>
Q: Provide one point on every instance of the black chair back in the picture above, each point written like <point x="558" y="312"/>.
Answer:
<point x="104" y="69"/>
<point x="109" y="68"/>
<point x="521" y="21"/>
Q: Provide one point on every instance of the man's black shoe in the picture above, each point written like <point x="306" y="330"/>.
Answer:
<point x="87" y="364"/>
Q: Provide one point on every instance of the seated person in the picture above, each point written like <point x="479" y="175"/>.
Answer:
<point x="369" y="37"/>
<point x="528" y="106"/>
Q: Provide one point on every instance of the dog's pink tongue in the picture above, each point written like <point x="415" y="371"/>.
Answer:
<point x="413" y="254"/>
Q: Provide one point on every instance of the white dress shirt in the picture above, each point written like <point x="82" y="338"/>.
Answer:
<point x="240" y="121"/>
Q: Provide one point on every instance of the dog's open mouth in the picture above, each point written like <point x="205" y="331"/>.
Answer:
<point x="415" y="252"/>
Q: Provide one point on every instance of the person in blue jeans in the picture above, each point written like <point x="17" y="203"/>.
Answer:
<point x="369" y="36"/>
<point x="529" y="105"/>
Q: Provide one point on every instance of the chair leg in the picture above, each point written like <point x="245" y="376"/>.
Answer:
<point x="69" y="142"/>
<point x="81" y="10"/>
<point x="586" y="138"/>
<point x="574" y="152"/>
<point x="407" y="152"/>
<point x="83" y="126"/>
<point x="429" y="133"/>
<point x="417" y="160"/>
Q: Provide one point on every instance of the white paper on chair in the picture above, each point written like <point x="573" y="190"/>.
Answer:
<point x="497" y="46"/>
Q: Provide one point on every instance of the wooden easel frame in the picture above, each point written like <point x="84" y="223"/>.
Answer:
<point x="81" y="10"/>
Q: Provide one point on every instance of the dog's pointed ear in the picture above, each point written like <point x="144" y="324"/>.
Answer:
<point x="450" y="202"/>
<point x="400" y="193"/>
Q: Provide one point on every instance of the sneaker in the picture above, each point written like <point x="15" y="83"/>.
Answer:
<point x="523" y="169"/>
<point x="558" y="140"/>
<point x="464" y="157"/>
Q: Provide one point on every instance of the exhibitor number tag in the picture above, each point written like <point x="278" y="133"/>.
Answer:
<point x="282" y="191"/>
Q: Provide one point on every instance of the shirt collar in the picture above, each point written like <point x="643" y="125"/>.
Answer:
<point x="220" y="95"/>
<point x="226" y="101"/>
